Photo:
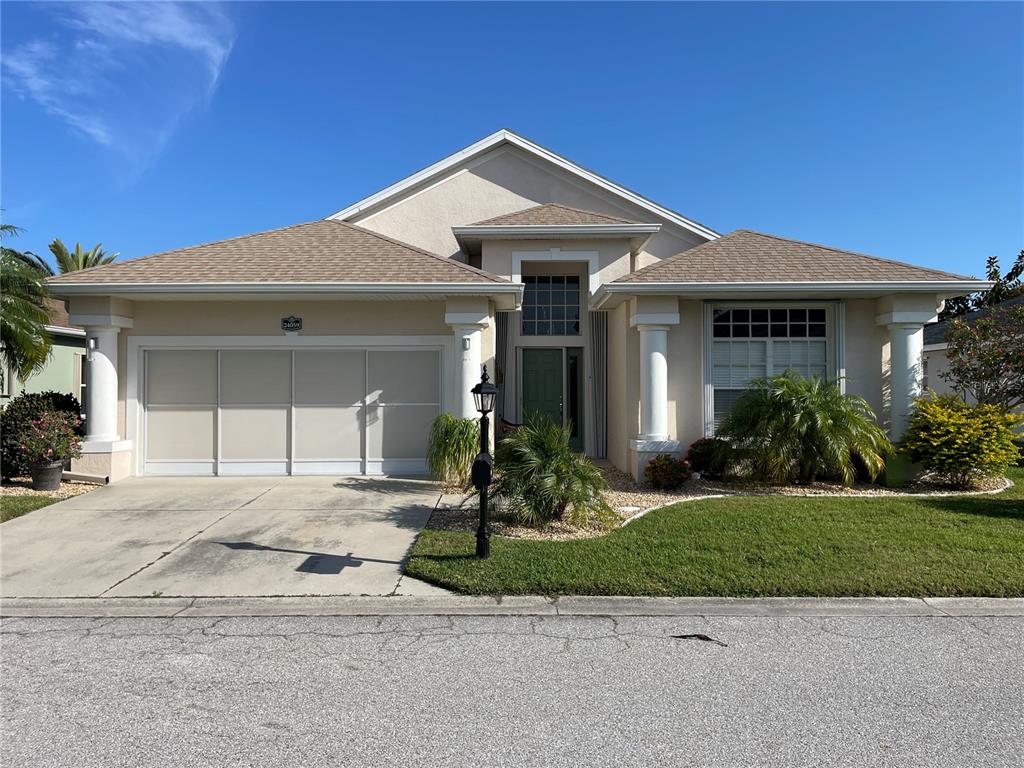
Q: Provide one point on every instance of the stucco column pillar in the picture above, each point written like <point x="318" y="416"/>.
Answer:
<point x="468" y="317"/>
<point x="468" y="340"/>
<point x="101" y="392"/>
<point x="906" y="342"/>
<point x="653" y="317"/>
<point x="653" y="382"/>
<point x="905" y="317"/>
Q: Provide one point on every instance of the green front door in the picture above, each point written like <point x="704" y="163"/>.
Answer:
<point x="542" y="383"/>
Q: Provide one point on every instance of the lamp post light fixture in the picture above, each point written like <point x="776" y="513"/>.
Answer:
<point x="484" y="394"/>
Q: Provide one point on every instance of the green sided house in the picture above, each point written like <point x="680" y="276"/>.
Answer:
<point x="329" y="347"/>
<point x="63" y="372"/>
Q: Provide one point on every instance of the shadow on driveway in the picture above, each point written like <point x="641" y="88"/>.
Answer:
<point x="317" y="562"/>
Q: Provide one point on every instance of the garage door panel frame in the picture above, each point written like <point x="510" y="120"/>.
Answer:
<point x="136" y="408"/>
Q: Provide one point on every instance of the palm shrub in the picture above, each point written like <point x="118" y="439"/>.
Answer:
<point x="451" y="448"/>
<point x="24" y="342"/>
<point x="539" y="478"/>
<point x="961" y="443"/>
<point x="791" y="428"/>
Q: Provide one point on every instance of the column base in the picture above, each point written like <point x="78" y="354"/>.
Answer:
<point x="105" y="458"/>
<point x="642" y="450"/>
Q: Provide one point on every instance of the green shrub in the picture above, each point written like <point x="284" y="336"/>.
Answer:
<point x="452" y="446"/>
<point x="710" y="457"/>
<point x="961" y="443"/>
<point x="667" y="472"/>
<point x="539" y="478"/>
<point x="792" y="429"/>
<point x="16" y="420"/>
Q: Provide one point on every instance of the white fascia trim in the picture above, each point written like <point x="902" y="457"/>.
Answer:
<point x="535" y="231"/>
<point x="62" y="330"/>
<point x="507" y="137"/>
<point x="104" y="289"/>
<point x="896" y="286"/>
<point x="934" y="347"/>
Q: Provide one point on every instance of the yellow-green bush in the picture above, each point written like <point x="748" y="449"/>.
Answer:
<point x="959" y="442"/>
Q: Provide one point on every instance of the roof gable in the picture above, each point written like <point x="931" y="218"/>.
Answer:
<point x="744" y="256"/>
<point x="506" y="137"/>
<point x="316" y="252"/>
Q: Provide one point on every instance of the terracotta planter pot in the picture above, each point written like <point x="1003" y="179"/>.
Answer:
<point x="46" y="475"/>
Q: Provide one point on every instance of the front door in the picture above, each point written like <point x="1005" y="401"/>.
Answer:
<point x="542" y="383"/>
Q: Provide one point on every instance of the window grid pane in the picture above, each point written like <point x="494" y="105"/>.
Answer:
<point x="750" y="343"/>
<point x="551" y="305"/>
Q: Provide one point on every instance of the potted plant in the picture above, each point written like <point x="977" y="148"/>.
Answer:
<point x="48" y="443"/>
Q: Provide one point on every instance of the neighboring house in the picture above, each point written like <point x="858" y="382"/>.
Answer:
<point x="64" y="370"/>
<point x="934" y="360"/>
<point x="329" y="347"/>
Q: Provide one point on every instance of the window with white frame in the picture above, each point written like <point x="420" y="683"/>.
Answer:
<point x="752" y="342"/>
<point x="551" y="305"/>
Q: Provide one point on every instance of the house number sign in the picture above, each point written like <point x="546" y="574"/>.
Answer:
<point x="291" y="323"/>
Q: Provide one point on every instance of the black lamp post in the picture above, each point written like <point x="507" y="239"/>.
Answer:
<point x="483" y="396"/>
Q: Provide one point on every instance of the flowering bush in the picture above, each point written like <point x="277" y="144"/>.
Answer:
<point x="17" y="418"/>
<point x="959" y="442"/>
<point x="986" y="357"/>
<point x="666" y="472"/>
<point x="51" y="437"/>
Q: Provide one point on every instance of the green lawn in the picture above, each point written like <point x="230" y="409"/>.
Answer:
<point x="16" y="506"/>
<point x="755" y="546"/>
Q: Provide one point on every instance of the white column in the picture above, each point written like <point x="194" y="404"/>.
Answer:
<point x="468" y="340"/>
<point x="101" y="391"/>
<point x="653" y="382"/>
<point x="906" y="342"/>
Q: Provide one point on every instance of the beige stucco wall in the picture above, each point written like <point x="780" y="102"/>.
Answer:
<point x="622" y="416"/>
<point x="504" y="181"/>
<point x="937" y="363"/>
<point x="613" y="256"/>
<point x="686" y="374"/>
<point x="866" y="354"/>
<point x="262" y="318"/>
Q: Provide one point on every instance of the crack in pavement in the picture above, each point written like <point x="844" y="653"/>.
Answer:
<point x="178" y="546"/>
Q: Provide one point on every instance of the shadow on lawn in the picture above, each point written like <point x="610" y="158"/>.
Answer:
<point x="988" y="505"/>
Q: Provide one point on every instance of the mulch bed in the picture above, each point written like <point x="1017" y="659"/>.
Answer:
<point x="22" y="486"/>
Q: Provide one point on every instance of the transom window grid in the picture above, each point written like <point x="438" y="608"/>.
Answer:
<point x="551" y="305"/>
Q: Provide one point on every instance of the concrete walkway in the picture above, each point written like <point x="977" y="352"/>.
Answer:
<point x="251" y="536"/>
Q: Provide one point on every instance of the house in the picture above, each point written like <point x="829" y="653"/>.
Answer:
<point x="934" y="361"/>
<point x="63" y="371"/>
<point x="330" y="346"/>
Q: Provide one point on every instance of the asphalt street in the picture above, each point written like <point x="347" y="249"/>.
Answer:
<point x="513" y="690"/>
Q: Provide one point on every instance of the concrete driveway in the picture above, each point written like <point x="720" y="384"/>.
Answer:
<point x="219" y="537"/>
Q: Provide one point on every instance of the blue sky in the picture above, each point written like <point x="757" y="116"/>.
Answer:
<point x="893" y="129"/>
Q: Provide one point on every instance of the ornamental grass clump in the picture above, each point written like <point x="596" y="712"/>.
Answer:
<point x="452" y="445"/>
<point x="540" y="479"/>
<point x="790" y="429"/>
<point x="961" y="443"/>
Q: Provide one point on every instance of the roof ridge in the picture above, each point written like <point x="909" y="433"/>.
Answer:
<point x="417" y="249"/>
<point x="170" y="251"/>
<point x="848" y="252"/>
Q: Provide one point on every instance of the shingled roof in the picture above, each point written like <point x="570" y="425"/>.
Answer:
<point x="551" y="214"/>
<point x="327" y="251"/>
<point x="752" y="257"/>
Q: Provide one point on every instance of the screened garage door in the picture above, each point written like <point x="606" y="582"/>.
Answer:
<point x="310" y="411"/>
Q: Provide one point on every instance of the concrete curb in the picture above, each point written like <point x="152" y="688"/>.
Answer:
<point x="778" y="607"/>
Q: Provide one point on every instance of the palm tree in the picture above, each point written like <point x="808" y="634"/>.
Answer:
<point x="24" y="342"/>
<point x="72" y="261"/>
<point x="797" y="429"/>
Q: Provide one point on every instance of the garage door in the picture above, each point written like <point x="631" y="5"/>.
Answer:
<point x="310" y="411"/>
